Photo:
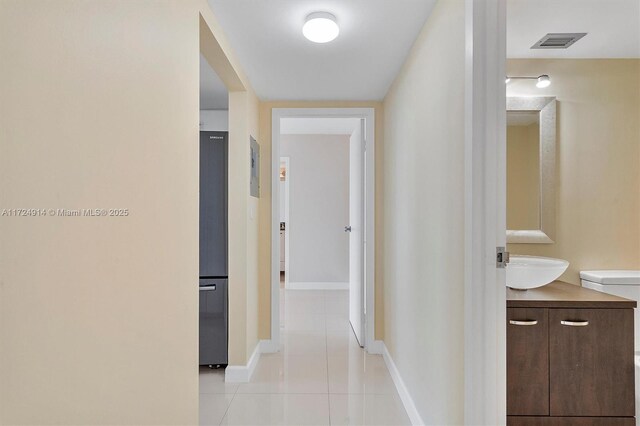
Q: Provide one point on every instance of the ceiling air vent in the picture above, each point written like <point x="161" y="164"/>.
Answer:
<point x="558" y="40"/>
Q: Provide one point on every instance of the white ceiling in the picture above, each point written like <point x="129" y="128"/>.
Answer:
<point x="613" y="27"/>
<point x="318" y="126"/>
<point x="213" y="93"/>
<point x="375" y="37"/>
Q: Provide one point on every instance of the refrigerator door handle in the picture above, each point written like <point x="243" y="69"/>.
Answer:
<point x="208" y="288"/>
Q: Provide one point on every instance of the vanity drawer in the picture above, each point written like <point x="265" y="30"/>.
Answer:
<point x="570" y="421"/>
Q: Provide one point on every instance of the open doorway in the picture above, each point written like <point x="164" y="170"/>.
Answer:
<point x="572" y="162"/>
<point x="213" y="225"/>
<point x="317" y="260"/>
<point x="321" y="221"/>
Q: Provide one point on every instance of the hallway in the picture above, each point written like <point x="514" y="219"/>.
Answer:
<point x="321" y="376"/>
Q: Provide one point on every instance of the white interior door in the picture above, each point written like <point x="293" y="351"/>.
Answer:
<point x="356" y="234"/>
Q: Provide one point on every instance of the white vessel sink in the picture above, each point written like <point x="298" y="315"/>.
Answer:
<point x="524" y="272"/>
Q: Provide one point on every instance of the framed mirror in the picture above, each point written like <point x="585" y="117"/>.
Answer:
<point x="531" y="169"/>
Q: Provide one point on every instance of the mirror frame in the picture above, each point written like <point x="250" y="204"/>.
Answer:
<point x="547" y="108"/>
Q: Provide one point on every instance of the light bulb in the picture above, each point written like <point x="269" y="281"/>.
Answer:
<point x="543" y="81"/>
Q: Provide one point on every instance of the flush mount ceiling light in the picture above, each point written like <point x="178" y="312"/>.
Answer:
<point x="321" y="27"/>
<point x="542" y="81"/>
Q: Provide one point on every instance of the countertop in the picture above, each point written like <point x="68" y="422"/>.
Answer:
<point x="559" y="294"/>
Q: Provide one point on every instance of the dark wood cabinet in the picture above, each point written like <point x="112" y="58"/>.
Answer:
<point x="570" y="358"/>
<point x="591" y="369"/>
<point x="528" y="362"/>
<point x="570" y="421"/>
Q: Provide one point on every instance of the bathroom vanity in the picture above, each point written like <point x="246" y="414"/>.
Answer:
<point x="570" y="357"/>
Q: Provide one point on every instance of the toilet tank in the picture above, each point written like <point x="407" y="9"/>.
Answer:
<point x="613" y="277"/>
<point x="623" y="283"/>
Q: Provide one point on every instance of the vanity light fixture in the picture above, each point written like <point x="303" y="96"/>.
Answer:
<point x="542" y="81"/>
<point x="321" y="27"/>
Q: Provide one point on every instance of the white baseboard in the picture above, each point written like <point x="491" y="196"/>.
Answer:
<point x="317" y="286"/>
<point x="269" y="347"/>
<point x="376" y="347"/>
<point x="242" y="373"/>
<point x="405" y="396"/>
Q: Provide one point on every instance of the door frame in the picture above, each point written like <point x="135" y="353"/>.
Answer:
<point x="368" y="114"/>
<point x="359" y="222"/>
<point x="287" y="209"/>
<point x="485" y="213"/>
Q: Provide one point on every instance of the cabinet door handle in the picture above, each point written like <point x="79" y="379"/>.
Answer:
<point x="525" y="322"/>
<point x="575" y="323"/>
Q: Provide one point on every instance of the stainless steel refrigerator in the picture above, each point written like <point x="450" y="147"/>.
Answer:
<point x="214" y="318"/>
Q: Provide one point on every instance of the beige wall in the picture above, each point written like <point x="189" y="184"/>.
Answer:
<point x="265" y="208"/>
<point x="424" y="217"/>
<point x="523" y="177"/>
<point x="253" y="223"/>
<point x="243" y="230"/>
<point x="99" y="109"/>
<point x="598" y="155"/>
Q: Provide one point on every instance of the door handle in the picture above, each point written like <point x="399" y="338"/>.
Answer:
<point x="347" y="228"/>
<point x="575" y="323"/>
<point x="525" y="322"/>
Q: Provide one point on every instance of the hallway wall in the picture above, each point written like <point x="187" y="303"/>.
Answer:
<point x="424" y="217"/>
<point x="99" y="108"/>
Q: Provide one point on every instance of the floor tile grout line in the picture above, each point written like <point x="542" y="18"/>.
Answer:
<point x="228" y="407"/>
<point x="235" y="393"/>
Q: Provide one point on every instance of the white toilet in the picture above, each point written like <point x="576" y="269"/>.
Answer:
<point x="619" y="283"/>
<point x="624" y="284"/>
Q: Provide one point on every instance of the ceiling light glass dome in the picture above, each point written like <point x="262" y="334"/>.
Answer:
<point x="321" y="27"/>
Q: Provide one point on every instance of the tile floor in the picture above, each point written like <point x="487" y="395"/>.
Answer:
<point x="320" y="376"/>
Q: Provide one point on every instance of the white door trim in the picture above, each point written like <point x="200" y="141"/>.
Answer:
<point x="485" y="213"/>
<point x="368" y="114"/>
<point x="357" y="238"/>
<point x="287" y="162"/>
